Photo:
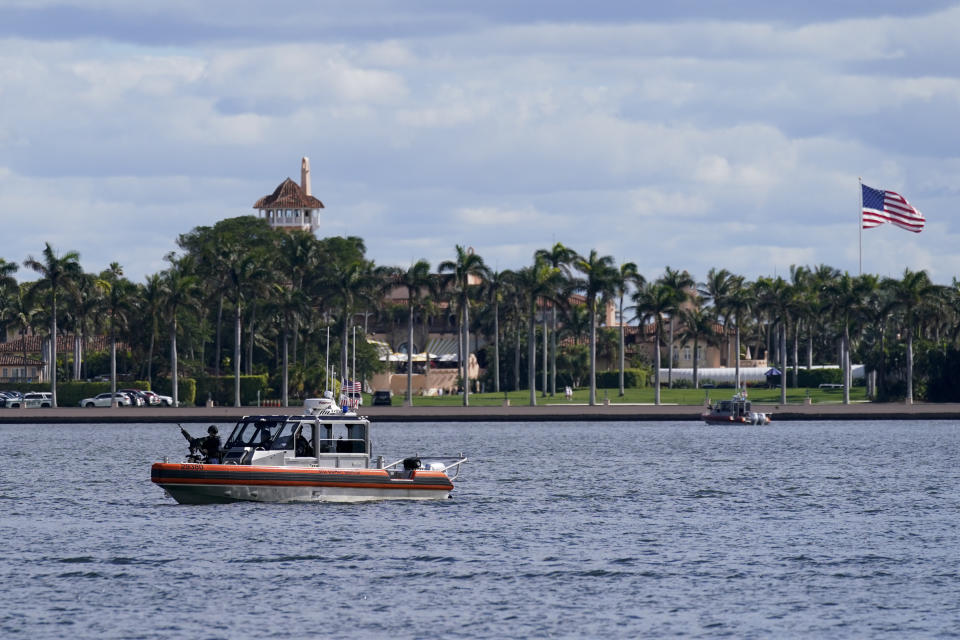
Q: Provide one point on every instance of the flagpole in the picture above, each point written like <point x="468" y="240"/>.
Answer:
<point x="860" y="224"/>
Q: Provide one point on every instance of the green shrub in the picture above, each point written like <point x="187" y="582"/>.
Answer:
<point x="220" y="389"/>
<point x="632" y="379"/>
<point x="816" y="377"/>
<point x="186" y="390"/>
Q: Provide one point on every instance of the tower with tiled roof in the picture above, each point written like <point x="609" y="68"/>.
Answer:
<point x="291" y="205"/>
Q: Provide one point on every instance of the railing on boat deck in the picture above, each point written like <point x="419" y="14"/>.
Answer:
<point x="458" y="460"/>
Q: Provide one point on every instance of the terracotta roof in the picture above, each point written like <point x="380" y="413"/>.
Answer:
<point x="17" y="361"/>
<point x="288" y="195"/>
<point x="64" y="344"/>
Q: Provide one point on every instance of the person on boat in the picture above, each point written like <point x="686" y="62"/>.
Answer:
<point x="303" y="448"/>
<point x="211" y="446"/>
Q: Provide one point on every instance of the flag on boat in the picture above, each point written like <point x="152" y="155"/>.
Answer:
<point x="881" y="207"/>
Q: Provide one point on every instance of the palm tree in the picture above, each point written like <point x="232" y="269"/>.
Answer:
<point x="245" y="271"/>
<point x="493" y="293"/>
<point x="679" y="282"/>
<point x="697" y="325"/>
<point x="716" y="289"/>
<point x="415" y="279"/>
<point x="653" y="301"/>
<point x="626" y="277"/>
<point x="775" y="296"/>
<point x="558" y="257"/>
<point x="737" y="304"/>
<point x="290" y="305"/>
<point x="55" y="271"/>
<point x="117" y="305"/>
<point x="599" y="277"/>
<point x="534" y="282"/>
<point x="180" y="289"/>
<point x="845" y="297"/>
<point x="909" y="294"/>
<point x="151" y="298"/>
<point x="20" y="312"/>
<point x="462" y="270"/>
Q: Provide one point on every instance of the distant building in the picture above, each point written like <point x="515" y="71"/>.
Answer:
<point x="291" y="205"/>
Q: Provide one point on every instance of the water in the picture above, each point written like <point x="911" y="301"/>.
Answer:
<point x="840" y="530"/>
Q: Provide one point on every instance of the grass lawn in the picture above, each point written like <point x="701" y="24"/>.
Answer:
<point x="635" y="396"/>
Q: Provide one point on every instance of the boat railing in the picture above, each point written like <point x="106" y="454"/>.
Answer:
<point x="454" y="464"/>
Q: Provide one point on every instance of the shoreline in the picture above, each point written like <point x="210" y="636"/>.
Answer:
<point x="541" y="413"/>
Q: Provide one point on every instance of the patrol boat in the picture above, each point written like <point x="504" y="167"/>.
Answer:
<point x="735" y="410"/>
<point x="321" y="456"/>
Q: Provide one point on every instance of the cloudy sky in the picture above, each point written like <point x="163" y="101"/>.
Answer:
<point x="690" y="134"/>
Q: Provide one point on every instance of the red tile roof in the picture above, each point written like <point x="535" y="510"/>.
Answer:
<point x="17" y="361"/>
<point x="64" y="344"/>
<point x="288" y="195"/>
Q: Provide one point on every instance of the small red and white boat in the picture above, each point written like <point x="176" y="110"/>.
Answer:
<point x="736" y="410"/>
<point x="318" y="457"/>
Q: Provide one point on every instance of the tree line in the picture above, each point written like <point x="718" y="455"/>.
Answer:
<point x="241" y="298"/>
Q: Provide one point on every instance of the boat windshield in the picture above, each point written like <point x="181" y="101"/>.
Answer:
<point x="284" y="438"/>
<point x="254" y="433"/>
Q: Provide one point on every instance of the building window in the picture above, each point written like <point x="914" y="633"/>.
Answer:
<point x="699" y="353"/>
<point x="5" y="372"/>
<point x="686" y="353"/>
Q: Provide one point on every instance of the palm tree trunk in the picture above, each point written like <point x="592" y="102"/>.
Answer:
<point x="621" y="349"/>
<point x="516" y="358"/>
<point x="532" y="354"/>
<point x="53" y="348"/>
<point x="670" y="357"/>
<point x="553" y="351"/>
<point x="736" y="354"/>
<point x="496" y="347"/>
<point x="845" y="359"/>
<point x="909" y="399"/>
<point x="409" y="400"/>
<point x="593" y="352"/>
<point x="76" y="355"/>
<point x="466" y="351"/>
<point x="173" y="361"/>
<point x="696" y="361"/>
<point x="783" y="368"/>
<point x="216" y="350"/>
<point x="286" y="367"/>
<point x="796" y="354"/>
<point x="543" y="318"/>
<point x="236" y="355"/>
<point x="113" y="369"/>
<point x="810" y="349"/>
<point x="250" y="332"/>
<point x="656" y="365"/>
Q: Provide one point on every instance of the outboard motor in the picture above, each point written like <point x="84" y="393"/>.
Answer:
<point x="412" y="464"/>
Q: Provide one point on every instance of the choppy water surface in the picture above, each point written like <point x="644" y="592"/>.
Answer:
<point x="836" y="530"/>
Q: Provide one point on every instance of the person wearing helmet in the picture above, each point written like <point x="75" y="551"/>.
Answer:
<point x="211" y="446"/>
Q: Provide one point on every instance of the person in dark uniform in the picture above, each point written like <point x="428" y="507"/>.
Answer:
<point x="211" y="446"/>
<point x="303" y="447"/>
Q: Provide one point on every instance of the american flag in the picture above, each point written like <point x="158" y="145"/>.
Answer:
<point x="880" y="207"/>
<point x="351" y="386"/>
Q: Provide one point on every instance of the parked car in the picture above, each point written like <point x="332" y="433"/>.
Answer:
<point x="31" y="399"/>
<point x="137" y="397"/>
<point x="11" y="399"/>
<point x="154" y="399"/>
<point x="382" y="398"/>
<point x="105" y="400"/>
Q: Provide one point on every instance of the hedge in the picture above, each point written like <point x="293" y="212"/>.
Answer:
<point x="186" y="390"/>
<point x="71" y="392"/>
<point x="220" y="390"/>
<point x="632" y="379"/>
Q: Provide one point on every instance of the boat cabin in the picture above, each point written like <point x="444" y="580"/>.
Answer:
<point x="306" y="441"/>
<point x="737" y="407"/>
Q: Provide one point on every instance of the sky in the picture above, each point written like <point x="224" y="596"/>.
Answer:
<point x="695" y="135"/>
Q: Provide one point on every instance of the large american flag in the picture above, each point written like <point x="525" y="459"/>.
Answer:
<point x="881" y="207"/>
<point x="351" y="386"/>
